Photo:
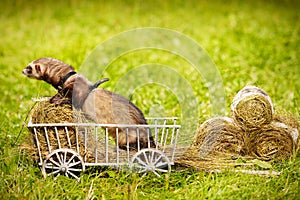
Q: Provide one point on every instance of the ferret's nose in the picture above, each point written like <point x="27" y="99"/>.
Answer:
<point x="26" y="72"/>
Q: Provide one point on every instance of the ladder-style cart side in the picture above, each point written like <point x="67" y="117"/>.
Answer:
<point x="68" y="148"/>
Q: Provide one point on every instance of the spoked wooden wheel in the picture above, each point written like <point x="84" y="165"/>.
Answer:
<point x="63" y="162"/>
<point x="150" y="160"/>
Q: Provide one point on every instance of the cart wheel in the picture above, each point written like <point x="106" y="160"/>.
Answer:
<point x="63" y="162"/>
<point x="150" y="160"/>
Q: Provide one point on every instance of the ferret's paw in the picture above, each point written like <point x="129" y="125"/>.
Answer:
<point x="58" y="100"/>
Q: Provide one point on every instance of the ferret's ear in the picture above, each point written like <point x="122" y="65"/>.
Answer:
<point x="38" y="68"/>
<point x="98" y="83"/>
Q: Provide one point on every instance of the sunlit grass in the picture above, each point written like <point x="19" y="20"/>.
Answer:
<point x="250" y="43"/>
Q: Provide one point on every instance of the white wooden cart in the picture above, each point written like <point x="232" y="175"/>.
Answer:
<point x="89" y="144"/>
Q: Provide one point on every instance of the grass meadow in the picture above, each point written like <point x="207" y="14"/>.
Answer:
<point x="250" y="42"/>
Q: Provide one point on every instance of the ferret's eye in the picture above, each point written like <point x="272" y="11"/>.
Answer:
<point x="29" y="69"/>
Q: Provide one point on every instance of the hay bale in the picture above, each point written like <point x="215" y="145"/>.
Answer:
<point x="88" y="146"/>
<point x="46" y="112"/>
<point x="273" y="142"/>
<point x="291" y="123"/>
<point x="253" y="133"/>
<point x="220" y="135"/>
<point x="252" y="108"/>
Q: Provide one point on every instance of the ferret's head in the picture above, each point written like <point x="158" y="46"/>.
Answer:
<point x="44" y="67"/>
<point x="34" y="70"/>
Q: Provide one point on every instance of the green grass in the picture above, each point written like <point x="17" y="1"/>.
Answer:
<point x="250" y="43"/>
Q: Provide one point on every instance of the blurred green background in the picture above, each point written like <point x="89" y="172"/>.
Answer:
<point x="250" y="42"/>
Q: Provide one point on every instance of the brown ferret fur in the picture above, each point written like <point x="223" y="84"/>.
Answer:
<point x="102" y="106"/>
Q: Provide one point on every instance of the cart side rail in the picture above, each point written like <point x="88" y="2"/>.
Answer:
<point x="92" y="140"/>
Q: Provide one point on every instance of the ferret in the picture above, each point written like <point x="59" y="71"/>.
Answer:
<point x="102" y="106"/>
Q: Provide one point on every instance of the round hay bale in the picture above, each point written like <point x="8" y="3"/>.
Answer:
<point x="273" y="141"/>
<point x="252" y="108"/>
<point x="220" y="135"/>
<point x="291" y="123"/>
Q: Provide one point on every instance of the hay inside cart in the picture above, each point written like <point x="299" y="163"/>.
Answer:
<point x="68" y="148"/>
